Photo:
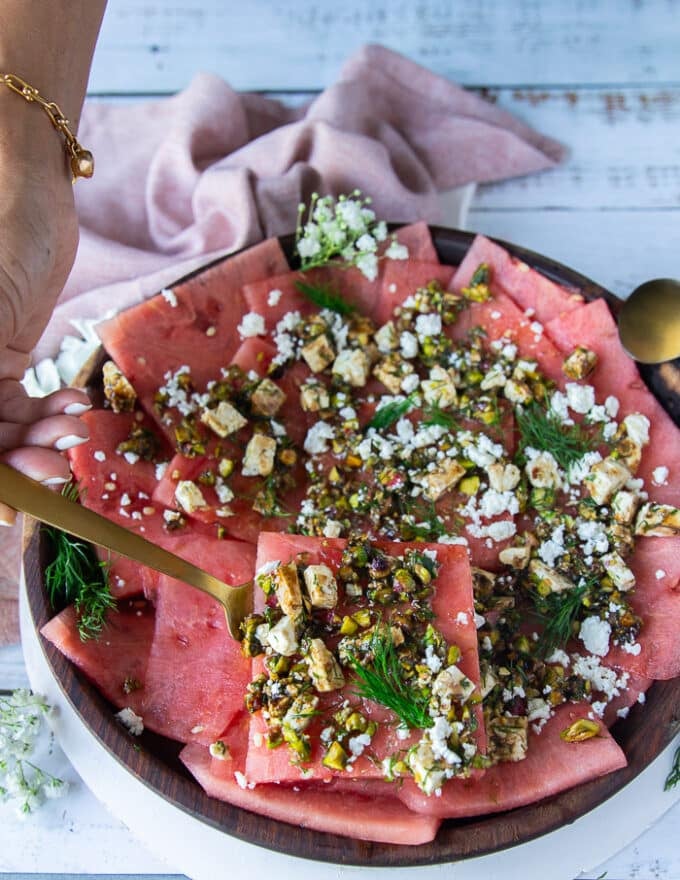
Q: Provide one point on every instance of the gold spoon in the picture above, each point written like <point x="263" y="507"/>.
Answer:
<point x="649" y="321"/>
<point x="49" y="507"/>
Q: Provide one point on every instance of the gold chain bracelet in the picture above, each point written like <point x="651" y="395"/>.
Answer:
<point x="81" y="161"/>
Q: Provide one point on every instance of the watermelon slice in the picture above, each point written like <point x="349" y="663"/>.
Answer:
<point x="594" y="327"/>
<point x="196" y="676"/>
<point x="454" y="616"/>
<point x="367" y="817"/>
<point x="551" y="766"/>
<point x="200" y="330"/>
<point x="525" y="286"/>
<point x="656" y="566"/>
<point x="402" y="278"/>
<point x="502" y="319"/>
<point x="115" y="662"/>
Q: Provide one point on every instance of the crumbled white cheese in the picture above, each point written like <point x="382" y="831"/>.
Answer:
<point x="659" y="574"/>
<point x="317" y="438"/>
<point x="252" y="324"/>
<point x="637" y="428"/>
<point x="169" y="296"/>
<point x="595" y="633"/>
<point x="408" y="344"/>
<point x="581" y="398"/>
<point x="660" y="476"/>
<point x="99" y="455"/>
<point x="129" y="719"/>
<point x="274" y="296"/>
<point x="332" y="529"/>
<point x="428" y="325"/>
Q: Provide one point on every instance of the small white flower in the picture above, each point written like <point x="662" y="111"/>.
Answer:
<point x="366" y="242"/>
<point x="367" y="264"/>
<point x="397" y="251"/>
<point x="351" y="213"/>
<point x="308" y="247"/>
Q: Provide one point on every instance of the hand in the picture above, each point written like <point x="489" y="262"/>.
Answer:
<point x="37" y="247"/>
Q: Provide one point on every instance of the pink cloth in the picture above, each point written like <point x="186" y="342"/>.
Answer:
<point x="209" y="171"/>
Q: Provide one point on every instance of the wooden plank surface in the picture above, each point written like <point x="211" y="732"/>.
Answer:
<point x="265" y="44"/>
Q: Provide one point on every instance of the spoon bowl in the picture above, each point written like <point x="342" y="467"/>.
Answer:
<point x="649" y="321"/>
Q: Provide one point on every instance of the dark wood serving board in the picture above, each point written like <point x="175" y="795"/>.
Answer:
<point x="642" y="735"/>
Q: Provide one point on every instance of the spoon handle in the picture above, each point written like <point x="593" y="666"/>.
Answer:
<point x="49" y="507"/>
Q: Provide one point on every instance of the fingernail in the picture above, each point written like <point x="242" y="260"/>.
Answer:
<point x="7" y="525"/>
<point x="77" y="409"/>
<point x="55" y="481"/>
<point x="69" y="441"/>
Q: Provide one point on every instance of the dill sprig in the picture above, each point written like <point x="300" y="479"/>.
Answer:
<point x="390" y="413"/>
<point x="75" y="576"/>
<point x="435" y="415"/>
<point x="673" y="777"/>
<point x="325" y="298"/>
<point x="382" y="681"/>
<point x="558" y="611"/>
<point x="542" y="429"/>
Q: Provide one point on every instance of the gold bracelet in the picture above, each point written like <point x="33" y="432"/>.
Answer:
<point x="82" y="161"/>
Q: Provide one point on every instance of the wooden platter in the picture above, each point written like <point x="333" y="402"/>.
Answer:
<point x="643" y="735"/>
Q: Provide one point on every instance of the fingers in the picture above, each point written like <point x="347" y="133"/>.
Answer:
<point x="16" y="406"/>
<point x="56" y="432"/>
<point x="44" y="465"/>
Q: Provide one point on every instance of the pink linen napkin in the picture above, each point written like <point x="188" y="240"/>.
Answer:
<point x="209" y="171"/>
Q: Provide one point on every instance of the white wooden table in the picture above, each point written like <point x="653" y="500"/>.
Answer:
<point x="602" y="77"/>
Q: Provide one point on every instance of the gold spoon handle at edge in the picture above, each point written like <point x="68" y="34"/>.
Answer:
<point x="30" y="497"/>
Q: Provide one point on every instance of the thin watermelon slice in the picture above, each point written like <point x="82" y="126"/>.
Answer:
<point x="200" y="330"/>
<point x="551" y="766"/>
<point x="196" y="675"/>
<point x="454" y="615"/>
<point x="656" y="566"/>
<point x="594" y="327"/>
<point x="117" y="660"/>
<point x="528" y="288"/>
<point x="403" y="278"/>
<point x="502" y="319"/>
<point x="367" y="817"/>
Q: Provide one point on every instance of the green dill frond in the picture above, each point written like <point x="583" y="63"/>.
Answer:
<point x="541" y="429"/>
<point x="75" y="576"/>
<point x="325" y="298"/>
<point x="382" y="681"/>
<point x="673" y="777"/>
<point x="435" y="415"/>
<point x="392" y="412"/>
<point x="558" y="611"/>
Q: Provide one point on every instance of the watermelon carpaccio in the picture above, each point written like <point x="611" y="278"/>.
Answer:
<point x="478" y="436"/>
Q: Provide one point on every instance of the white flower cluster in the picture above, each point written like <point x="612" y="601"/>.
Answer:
<point x="343" y="231"/>
<point x="21" y="782"/>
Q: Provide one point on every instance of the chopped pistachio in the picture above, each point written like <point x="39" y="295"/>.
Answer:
<point x="580" y="363"/>
<point x="580" y="730"/>
<point x="117" y="389"/>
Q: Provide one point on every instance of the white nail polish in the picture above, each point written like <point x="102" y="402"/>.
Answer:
<point x="55" y="481"/>
<point x="77" y="409"/>
<point x="69" y="441"/>
<point x="6" y="524"/>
